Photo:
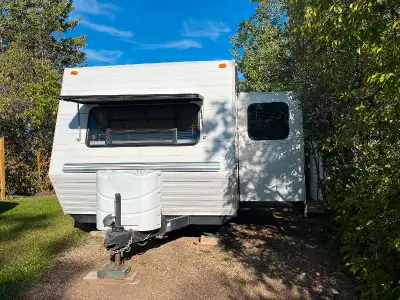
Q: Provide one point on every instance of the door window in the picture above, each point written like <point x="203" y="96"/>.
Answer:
<point x="268" y="121"/>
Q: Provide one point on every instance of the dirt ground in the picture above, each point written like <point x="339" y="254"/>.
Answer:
<point x="262" y="255"/>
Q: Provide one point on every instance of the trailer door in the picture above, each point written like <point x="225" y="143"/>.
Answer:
<point x="271" y="153"/>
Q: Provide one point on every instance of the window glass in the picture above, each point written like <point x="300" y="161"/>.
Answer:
<point x="268" y="121"/>
<point x="143" y="124"/>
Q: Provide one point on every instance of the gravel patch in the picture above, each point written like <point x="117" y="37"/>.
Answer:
<point x="260" y="256"/>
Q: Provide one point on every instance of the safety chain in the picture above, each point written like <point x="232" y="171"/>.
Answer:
<point x="127" y="248"/>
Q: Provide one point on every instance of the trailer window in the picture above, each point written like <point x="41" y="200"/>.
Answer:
<point x="268" y="121"/>
<point x="143" y="125"/>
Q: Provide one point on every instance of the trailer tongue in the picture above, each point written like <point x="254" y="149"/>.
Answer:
<point x="129" y="208"/>
<point x="116" y="240"/>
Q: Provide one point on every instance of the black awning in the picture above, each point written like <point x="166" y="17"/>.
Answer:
<point x="109" y="99"/>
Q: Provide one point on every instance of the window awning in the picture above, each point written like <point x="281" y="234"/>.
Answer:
<point x="109" y="99"/>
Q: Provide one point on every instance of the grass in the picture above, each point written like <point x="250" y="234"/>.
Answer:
<point x="32" y="232"/>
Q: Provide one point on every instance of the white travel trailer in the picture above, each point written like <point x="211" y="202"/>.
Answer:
<point x="176" y="141"/>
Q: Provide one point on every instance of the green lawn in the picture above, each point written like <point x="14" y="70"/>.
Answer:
<point x="32" y="232"/>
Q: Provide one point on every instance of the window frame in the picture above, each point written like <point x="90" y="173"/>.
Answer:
<point x="199" y="127"/>
<point x="264" y="139"/>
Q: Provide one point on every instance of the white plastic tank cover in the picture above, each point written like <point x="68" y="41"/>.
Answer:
<point x="140" y="198"/>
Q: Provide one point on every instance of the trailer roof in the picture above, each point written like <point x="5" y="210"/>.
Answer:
<point x="104" y="99"/>
<point x="146" y="82"/>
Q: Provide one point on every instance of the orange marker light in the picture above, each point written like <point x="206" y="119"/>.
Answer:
<point x="222" y="66"/>
<point x="74" y="72"/>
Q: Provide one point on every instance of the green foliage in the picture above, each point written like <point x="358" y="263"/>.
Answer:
<point x="40" y="26"/>
<point x="32" y="234"/>
<point x="346" y="75"/>
<point x="260" y="48"/>
<point x="28" y="98"/>
<point x="34" y="48"/>
<point x="348" y="78"/>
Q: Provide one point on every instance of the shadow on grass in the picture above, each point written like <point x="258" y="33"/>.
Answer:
<point x="27" y="271"/>
<point x="30" y="237"/>
<point x="19" y="225"/>
<point x="286" y="256"/>
<point x="6" y="206"/>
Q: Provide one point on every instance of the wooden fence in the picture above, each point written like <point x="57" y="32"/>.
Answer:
<point x="3" y="169"/>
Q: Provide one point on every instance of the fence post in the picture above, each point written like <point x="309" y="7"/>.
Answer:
<point x="39" y="169"/>
<point x="38" y="164"/>
<point x="2" y="170"/>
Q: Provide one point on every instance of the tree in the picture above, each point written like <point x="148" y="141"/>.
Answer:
<point x="261" y="49"/>
<point x="346" y="76"/>
<point x="28" y="98"/>
<point x="40" y="26"/>
<point x="34" y="49"/>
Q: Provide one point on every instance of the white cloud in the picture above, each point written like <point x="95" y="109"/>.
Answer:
<point x="180" y="45"/>
<point x="107" y="56"/>
<point x="205" y="29"/>
<point x="107" y="29"/>
<point x="94" y="7"/>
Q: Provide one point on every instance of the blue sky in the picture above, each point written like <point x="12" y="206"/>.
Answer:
<point x="144" y="31"/>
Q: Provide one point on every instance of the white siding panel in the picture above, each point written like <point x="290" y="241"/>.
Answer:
<point x="183" y="193"/>
<point x="194" y="77"/>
